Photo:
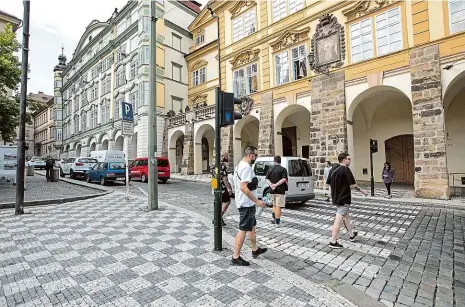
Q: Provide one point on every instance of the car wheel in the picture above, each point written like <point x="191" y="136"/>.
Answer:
<point x="143" y="178"/>
<point x="164" y="181"/>
<point x="61" y="173"/>
<point x="88" y="179"/>
<point x="72" y="175"/>
<point x="103" y="181"/>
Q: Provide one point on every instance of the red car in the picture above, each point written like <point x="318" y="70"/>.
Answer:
<point x="139" y="169"/>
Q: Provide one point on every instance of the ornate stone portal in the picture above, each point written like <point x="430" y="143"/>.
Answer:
<point x="328" y="45"/>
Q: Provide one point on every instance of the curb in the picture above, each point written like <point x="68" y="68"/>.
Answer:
<point x="82" y="184"/>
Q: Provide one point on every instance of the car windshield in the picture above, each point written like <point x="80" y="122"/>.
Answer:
<point x="299" y="168"/>
<point x="162" y="162"/>
<point x="117" y="165"/>
<point x="88" y="160"/>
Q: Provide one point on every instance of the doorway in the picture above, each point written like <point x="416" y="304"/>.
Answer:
<point x="400" y="154"/>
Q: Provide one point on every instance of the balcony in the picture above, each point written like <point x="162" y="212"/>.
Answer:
<point x="196" y="115"/>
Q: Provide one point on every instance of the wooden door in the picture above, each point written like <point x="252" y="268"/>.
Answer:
<point x="400" y="154"/>
<point x="287" y="147"/>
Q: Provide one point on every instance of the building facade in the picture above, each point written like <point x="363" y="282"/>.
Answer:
<point x="111" y="65"/>
<point x="322" y="77"/>
<point x="44" y="131"/>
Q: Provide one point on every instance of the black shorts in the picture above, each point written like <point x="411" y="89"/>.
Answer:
<point x="225" y="198"/>
<point x="247" y="219"/>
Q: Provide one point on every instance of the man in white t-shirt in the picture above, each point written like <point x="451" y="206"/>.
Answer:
<point x="246" y="198"/>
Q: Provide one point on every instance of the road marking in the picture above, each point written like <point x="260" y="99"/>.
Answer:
<point x="143" y="192"/>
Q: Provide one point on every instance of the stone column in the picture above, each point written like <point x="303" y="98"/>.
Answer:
<point x="266" y="129"/>
<point x="227" y="144"/>
<point x="111" y="145"/>
<point x="98" y="146"/>
<point x="164" y="151"/>
<point x="431" y="178"/>
<point x="85" y="151"/>
<point x="328" y="129"/>
<point x="187" y="166"/>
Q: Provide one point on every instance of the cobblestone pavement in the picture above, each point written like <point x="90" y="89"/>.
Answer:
<point x="37" y="188"/>
<point x="407" y="255"/>
<point x="112" y="252"/>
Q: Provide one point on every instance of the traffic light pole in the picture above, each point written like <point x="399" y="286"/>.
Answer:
<point x="372" y="179"/>
<point x="218" y="235"/>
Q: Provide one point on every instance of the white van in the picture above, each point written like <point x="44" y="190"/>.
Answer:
<point x="108" y="155"/>
<point x="300" y="184"/>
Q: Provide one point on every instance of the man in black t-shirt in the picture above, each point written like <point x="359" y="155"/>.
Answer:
<point x="342" y="180"/>
<point x="277" y="181"/>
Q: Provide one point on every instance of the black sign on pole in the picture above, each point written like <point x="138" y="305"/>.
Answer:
<point x="373" y="149"/>
<point x="218" y="235"/>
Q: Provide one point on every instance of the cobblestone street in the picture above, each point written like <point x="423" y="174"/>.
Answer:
<point x="112" y="252"/>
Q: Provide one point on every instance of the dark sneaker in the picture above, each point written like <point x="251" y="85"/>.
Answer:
<point x="272" y="221"/>
<point x="335" y="245"/>
<point x="239" y="262"/>
<point x="354" y="238"/>
<point x="258" y="252"/>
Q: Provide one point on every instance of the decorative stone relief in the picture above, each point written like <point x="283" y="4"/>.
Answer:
<point x="237" y="8"/>
<point x="200" y="100"/>
<point x="289" y="38"/>
<point x="246" y="106"/>
<point x="361" y="8"/>
<point x="198" y="64"/>
<point x="328" y="44"/>
<point x="245" y="57"/>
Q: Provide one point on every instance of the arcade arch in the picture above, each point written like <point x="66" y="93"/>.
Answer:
<point x="203" y="152"/>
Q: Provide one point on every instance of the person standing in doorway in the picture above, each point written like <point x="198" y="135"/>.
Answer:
<point x="276" y="178"/>
<point x="325" y="175"/>
<point x="342" y="180"/>
<point x="245" y="189"/>
<point x="388" y="177"/>
<point x="226" y="189"/>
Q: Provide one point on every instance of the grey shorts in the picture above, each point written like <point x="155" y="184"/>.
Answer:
<point x="247" y="219"/>
<point x="343" y="209"/>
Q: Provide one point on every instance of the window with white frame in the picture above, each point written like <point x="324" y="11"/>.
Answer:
<point x="106" y="85"/>
<point x="59" y="115"/>
<point x="83" y="121"/>
<point x="120" y="76"/>
<point x="176" y="72"/>
<point x="282" y="68"/>
<point x="176" y="41"/>
<point x="144" y="24"/>
<point x="143" y="93"/>
<point x="176" y="104"/>
<point x="198" y="76"/>
<point x="134" y="99"/>
<point x="106" y="63"/>
<point x="122" y="26"/>
<point x="134" y="44"/>
<point x="94" y="92"/>
<point x="59" y="136"/>
<point x="118" y="104"/>
<point x="134" y="67"/>
<point x="58" y="100"/>
<point x="244" y="25"/>
<point x="58" y="83"/>
<point x="282" y="8"/>
<point x="200" y="39"/>
<point x="76" y="124"/>
<point x="388" y="31"/>
<point x="121" y="53"/>
<point x="105" y="111"/>
<point x="245" y="80"/>
<point x="93" y="116"/>
<point x="361" y="40"/>
<point x="76" y="104"/>
<point x="84" y="100"/>
<point x="144" y="55"/>
<point x="456" y="16"/>
<point x="299" y="62"/>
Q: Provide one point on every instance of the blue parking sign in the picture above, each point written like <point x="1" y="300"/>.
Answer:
<point x="128" y="113"/>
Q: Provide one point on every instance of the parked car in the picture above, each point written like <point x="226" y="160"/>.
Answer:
<point x="105" y="172"/>
<point x="77" y="166"/>
<point x="300" y="183"/>
<point x="139" y="169"/>
<point x="37" y="162"/>
<point x="59" y="162"/>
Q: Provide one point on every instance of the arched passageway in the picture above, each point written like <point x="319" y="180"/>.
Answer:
<point x="119" y="143"/>
<point x="204" y="145"/>
<point x="176" y="150"/>
<point x="245" y="134"/>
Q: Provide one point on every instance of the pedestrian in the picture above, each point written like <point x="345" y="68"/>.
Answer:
<point x="226" y="189"/>
<point x="326" y="174"/>
<point x="246" y="198"/>
<point x="341" y="181"/>
<point x="49" y="162"/>
<point x="388" y="177"/>
<point x="276" y="178"/>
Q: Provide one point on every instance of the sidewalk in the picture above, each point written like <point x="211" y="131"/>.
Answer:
<point x="113" y="252"/>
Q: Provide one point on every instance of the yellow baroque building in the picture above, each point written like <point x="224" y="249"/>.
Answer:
<point x="324" y="77"/>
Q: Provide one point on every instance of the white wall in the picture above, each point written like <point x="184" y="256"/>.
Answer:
<point x="455" y="129"/>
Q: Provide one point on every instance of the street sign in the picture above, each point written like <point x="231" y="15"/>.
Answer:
<point x="127" y="128"/>
<point x="128" y="112"/>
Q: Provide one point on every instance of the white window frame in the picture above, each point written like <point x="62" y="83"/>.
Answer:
<point x="134" y="68"/>
<point x="106" y="85"/>
<point x="134" y="99"/>
<point x="93" y="117"/>
<point x="388" y="25"/>
<point x="200" y="39"/>
<point x="364" y="51"/>
<point x="289" y="6"/>
<point x="118" y="104"/>
<point x="244" y="25"/>
<point x="144" y="55"/>
<point x="197" y="76"/>
<point x="241" y="79"/>
<point x="94" y="92"/>
<point x="177" y="66"/>
<point x="462" y="11"/>
<point x="173" y="36"/>
<point x="106" y="63"/>
<point x="105" y="111"/>
<point x="76" y="103"/>
<point x="119" y="53"/>
<point x="144" y="93"/>
<point x="59" y="135"/>
<point x="302" y="58"/>
<point x="280" y="80"/>
<point x="120" y="76"/>
<point x="177" y="99"/>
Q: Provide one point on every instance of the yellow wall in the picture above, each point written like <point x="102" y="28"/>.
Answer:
<point x="160" y="95"/>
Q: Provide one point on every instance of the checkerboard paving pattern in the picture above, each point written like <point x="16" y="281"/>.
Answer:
<point x="111" y="252"/>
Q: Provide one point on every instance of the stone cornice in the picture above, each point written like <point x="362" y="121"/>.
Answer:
<point x="362" y="8"/>
<point x="237" y="8"/>
<point x="245" y="57"/>
<point x="289" y="38"/>
<point x="198" y="64"/>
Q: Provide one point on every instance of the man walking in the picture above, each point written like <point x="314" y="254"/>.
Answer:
<point x="225" y="186"/>
<point x="245" y="187"/>
<point x="49" y="168"/>
<point x="276" y="178"/>
<point x="342" y="180"/>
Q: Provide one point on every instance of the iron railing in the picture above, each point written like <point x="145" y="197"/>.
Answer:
<point x="457" y="184"/>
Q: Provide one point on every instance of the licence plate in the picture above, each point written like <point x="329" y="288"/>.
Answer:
<point x="161" y="173"/>
<point x="120" y="178"/>
<point x="302" y="185"/>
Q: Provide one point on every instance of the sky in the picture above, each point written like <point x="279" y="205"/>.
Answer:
<point x="53" y="24"/>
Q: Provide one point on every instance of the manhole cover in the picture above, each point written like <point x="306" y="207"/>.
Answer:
<point x="394" y="257"/>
